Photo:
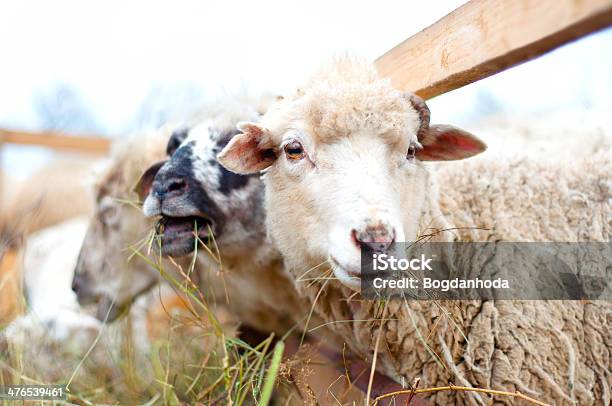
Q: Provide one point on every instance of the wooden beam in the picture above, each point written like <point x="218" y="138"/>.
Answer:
<point x="86" y="144"/>
<point x="484" y="37"/>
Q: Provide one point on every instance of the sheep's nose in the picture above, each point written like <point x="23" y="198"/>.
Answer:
<point x="376" y="237"/>
<point x="77" y="283"/>
<point x="169" y="186"/>
<point x="82" y="287"/>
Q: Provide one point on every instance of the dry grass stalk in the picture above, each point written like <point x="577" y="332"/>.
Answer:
<point x="415" y="391"/>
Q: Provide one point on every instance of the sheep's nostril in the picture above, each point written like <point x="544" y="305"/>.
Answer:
<point x="77" y="281"/>
<point x="355" y="238"/>
<point x="176" y="185"/>
<point x="378" y="246"/>
<point x="375" y="238"/>
<point x="167" y="183"/>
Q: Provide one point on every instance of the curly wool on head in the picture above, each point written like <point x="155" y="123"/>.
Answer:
<point x="344" y="98"/>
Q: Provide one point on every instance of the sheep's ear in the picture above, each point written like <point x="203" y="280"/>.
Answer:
<point x="143" y="187"/>
<point x="448" y="143"/>
<point x="249" y="152"/>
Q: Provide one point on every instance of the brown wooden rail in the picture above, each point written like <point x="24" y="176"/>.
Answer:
<point x="484" y="37"/>
<point x="85" y="144"/>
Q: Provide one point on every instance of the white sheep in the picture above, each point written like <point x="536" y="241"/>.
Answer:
<point x="342" y="161"/>
<point x="104" y="272"/>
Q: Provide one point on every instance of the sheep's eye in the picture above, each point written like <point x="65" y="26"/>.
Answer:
<point x="294" y="151"/>
<point x="411" y="152"/>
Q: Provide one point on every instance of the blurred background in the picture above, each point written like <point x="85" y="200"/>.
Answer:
<point x="114" y="68"/>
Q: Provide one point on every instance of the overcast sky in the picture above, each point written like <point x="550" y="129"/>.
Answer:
<point x="114" y="52"/>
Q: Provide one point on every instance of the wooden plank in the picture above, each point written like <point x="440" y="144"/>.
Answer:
<point x="484" y="37"/>
<point x="85" y="144"/>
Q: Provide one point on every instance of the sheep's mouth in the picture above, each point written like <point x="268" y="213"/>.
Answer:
<point x="178" y="234"/>
<point x="346" y="275"/>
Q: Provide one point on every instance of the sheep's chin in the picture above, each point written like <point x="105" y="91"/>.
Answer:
<point x="350" y="279"/>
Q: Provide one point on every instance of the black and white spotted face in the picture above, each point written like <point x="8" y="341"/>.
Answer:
<point x="191" y="191"/>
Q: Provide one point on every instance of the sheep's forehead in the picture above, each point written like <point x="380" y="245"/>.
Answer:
<point x="204" y="142"/>
<point x="329" y="112"/>
<point x="202" y="138"/>
<point x="199" y="151"/>
<point x="113" y="183"/>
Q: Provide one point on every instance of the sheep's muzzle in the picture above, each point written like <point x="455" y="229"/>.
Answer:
<point x="178" y="234"/>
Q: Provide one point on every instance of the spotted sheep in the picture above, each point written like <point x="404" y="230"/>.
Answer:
<point x="177" y="194"/>
<point x="343" y="163"/>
